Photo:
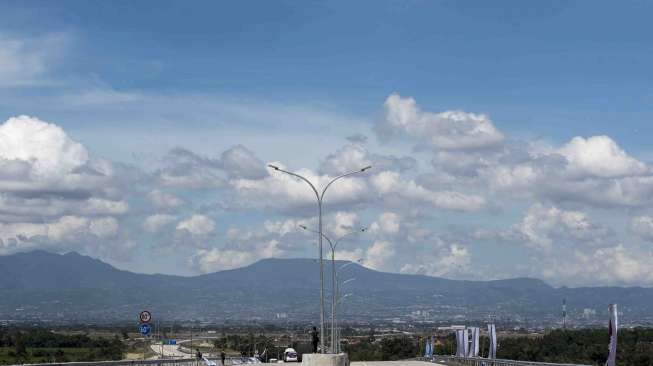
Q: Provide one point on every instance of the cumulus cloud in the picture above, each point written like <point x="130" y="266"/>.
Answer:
<point x="284" y="192"/>
<point x="197" y="225"/>
<point x="47" y="149"/>
<point x="445" y="130"/>
<point x="600" y="156"/>
<point x="67" y="232"/>
<point x="453" y="260"/>
<point x="613" y="265"/>
<point x="391" y="185"/>
<point x="183" y="168"/>
<point x="543" y="227"/>
<point x="354" y="157"/>
<point x="217" y="259"/>
<point x="642" y="226"/>
<point x="164" y="199"/>
<point x="155" y="223"/>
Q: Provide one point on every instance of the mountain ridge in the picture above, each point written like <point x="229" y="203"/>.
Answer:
<point x="74" y="285"/>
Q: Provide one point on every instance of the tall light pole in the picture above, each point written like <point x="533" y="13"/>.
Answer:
<point x="320" y="198"/>
<point x="337" y="326"/>
<point x="333" y="245"/>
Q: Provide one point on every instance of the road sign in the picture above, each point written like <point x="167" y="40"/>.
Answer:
<point x="145" y="329"/>
<point x="145" y="316"/>
<point x="172" y="341"/>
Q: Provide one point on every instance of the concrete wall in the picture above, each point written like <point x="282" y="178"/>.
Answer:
<point x="318" y="359"/>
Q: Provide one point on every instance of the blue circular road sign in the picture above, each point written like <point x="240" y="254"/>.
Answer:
<point x="145" y="329"/>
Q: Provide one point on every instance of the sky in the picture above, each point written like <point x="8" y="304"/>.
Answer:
<point x="506" y="139"/>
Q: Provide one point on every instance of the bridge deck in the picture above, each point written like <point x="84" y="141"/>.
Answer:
<point x="393" y="363"/>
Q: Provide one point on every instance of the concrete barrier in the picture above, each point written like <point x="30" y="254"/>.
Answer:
<point x="326" y="359"/>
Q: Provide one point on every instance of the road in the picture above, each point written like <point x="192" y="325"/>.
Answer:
<point x="392" y="363"/>
<point x="169" y="350"/>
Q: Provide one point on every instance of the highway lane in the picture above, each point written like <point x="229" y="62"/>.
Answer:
<point x="392" y="363"/>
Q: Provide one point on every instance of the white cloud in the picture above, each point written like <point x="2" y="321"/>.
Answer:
<point x="642" y="226"/>
<point x="45" y="146"/>
<point x="445" y="130"/>
<point x="379" y="255"/>
<point x="391" y="184"/>
<point x="67" y="232"/>
<point x="353" y="157"/>
<point x="284" y="192"/>
<point x="218" y="259"/>
<point x="241" y="162"/>
<point x="544" y="227"/>
<point x="388" y="223"/>
<point x="164" y="199"/>
<point x="154" y="223"/>
<point x="197" y="225"/>
<point x="614" y="265"/>
<point x="454" y="260"/>
<point x="600" y="156"/>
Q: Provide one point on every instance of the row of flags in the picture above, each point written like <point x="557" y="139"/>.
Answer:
<point x="467" y="340"/>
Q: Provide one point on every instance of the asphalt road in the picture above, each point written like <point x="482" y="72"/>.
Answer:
<point x="392" y="363"/>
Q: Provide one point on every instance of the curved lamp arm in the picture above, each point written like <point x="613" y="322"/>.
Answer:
<point x="342" y="176"/>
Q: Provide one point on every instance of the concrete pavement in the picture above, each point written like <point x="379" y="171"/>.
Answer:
<point x="392" y="363"/>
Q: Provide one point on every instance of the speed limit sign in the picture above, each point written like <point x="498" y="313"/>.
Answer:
<point x="145" y="316"/>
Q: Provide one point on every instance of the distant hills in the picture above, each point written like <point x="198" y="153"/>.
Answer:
<point x="45" y="286"/>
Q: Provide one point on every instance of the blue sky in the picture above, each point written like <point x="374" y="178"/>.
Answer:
<point x="160" y="90"/>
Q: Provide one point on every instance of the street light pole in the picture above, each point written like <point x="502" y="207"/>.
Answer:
<point x="337" y="326"/>
<point x="320" y="198"/>
<point x="334" y="285"/>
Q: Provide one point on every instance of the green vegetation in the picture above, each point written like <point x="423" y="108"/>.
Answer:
<point x="386" y="349"/>
<point x="588" y="346"/>
<point x="39" y="345"/>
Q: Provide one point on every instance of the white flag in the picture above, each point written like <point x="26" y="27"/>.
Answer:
<point x="613" y="327"/>
<point x="475" y="335"/>
<point x="465" y="342"/>
<point x="492" y="333"/>
<point x="460" y="348"/>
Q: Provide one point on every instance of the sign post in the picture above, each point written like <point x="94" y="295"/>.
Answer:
<point x="144" y="328"/>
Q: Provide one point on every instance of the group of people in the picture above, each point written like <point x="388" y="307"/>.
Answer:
<point x="199" y="355"/>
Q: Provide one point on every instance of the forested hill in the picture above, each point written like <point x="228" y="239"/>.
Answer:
<point x="67" y="285"/>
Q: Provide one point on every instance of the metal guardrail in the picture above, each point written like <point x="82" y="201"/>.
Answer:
<point x="229" y="361"/>
<point x="478" y="361"/>
<point x="161" y="362"/>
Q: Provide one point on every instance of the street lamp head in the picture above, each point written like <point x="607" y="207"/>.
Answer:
<point x="366" y="168"/>
<point x="273" y="167"/>
<point x="303" y="227"/>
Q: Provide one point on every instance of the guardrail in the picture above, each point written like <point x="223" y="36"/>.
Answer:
<point x="161" y="362"/>
<point x="478" y="361"/>
<point x="229" y="361"/>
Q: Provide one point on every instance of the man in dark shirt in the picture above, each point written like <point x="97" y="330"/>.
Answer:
<point x="315" y="339"/>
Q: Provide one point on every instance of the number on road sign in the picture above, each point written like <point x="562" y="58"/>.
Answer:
<point x="145" y="316"/>
<point x="145" y="329"/>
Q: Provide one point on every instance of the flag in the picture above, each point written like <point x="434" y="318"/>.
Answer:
<point x="460" y="348"/>
<point x="492" y="333"/>
<point x="473" y="351"/>
<point x="427" y="349"/>
<point x="465" y="342"/>
<point x="432" y="348"/>
<point x="613" y="327"/>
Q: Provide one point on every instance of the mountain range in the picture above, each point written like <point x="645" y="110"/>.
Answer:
<point x="42" y="285"/>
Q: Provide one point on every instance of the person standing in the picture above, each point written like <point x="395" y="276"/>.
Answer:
<point x="222" y="357"/>
<point x="315" y="339"/>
